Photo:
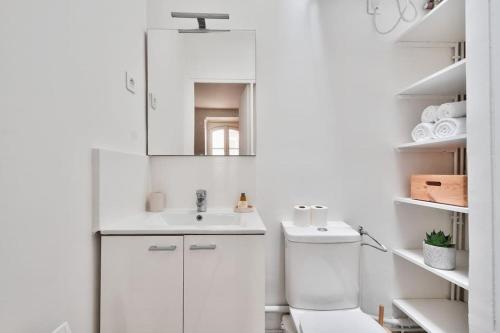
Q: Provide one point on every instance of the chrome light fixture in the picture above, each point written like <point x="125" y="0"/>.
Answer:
<point x="201" y="17"/>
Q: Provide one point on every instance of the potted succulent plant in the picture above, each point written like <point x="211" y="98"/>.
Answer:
<point x="439" y="251"/>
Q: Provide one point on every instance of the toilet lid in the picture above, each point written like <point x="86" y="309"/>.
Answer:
<point x="337" y="321"/>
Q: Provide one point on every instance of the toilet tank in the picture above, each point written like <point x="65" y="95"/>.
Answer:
<point x="322" y="266"/>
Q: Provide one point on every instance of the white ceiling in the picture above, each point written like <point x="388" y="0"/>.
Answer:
<point x="218" y="95"/>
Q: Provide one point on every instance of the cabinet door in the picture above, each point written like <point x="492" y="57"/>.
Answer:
<point x="224" y="284"/>
<point x="141" y="284"/>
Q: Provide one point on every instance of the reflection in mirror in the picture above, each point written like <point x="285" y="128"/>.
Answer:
<point x="222" y="118"/>
<point x="201" y="93"/>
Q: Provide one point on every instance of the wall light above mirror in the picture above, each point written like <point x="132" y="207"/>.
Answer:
<point x="201" y="93"/>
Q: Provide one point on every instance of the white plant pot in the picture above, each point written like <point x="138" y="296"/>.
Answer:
<point x="440" y="257"/>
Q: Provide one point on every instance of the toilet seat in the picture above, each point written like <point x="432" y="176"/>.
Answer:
<point x="335" y="321"/>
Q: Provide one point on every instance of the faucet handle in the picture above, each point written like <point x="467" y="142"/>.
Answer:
<point x="201" y="193"/>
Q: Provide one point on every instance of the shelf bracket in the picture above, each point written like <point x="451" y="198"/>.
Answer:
<point x="458" y="51"/>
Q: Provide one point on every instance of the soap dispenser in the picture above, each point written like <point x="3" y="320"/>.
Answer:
<point x="243" y="203"/>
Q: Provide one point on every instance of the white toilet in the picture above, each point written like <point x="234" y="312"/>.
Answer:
<point x="322" y="280"/>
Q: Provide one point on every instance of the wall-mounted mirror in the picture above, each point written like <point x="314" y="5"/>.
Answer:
<point x="201" y="93"/>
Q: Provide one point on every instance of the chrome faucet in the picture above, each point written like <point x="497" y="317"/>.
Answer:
<point x="201" y="201"/>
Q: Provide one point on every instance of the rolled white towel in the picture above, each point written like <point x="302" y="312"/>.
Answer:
<point x="448" y="127"/>
<point x="422" y="131"/>
<point x="430" y="114"/>
<point x="452" y="110"/>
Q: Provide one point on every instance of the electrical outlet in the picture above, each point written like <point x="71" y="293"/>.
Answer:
<point x="130" y="82"/>
<point x="372" y="6"/>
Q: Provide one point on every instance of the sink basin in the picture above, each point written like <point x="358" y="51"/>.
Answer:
<point x="193" y="218"/>
<point x="187" y="222"/>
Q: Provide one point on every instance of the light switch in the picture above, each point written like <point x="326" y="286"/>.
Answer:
<point x="130" y="82"/>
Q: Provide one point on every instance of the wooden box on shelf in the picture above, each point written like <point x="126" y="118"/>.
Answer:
<point x="446" y="189"/>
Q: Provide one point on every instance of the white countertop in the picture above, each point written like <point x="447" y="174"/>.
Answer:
<point x="148" y="223"/>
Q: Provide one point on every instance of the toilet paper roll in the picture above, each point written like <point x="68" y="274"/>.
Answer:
<point x="301" y="215"/>
<point x="319" y="215"/>
<point x="156" y="202"/>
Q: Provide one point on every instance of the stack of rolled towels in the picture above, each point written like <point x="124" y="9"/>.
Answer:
<point x="441" y="121"/>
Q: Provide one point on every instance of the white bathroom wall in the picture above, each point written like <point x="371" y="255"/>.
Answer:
<point x="367" y="70"/>
<point x="483" y="168"/>
<point x="122" y="184"/>
<point x="62" y="93"/>
<point x="179" y="177"/>
<point x="328" y="121"/>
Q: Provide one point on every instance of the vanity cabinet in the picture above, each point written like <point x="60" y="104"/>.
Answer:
<point x="224" y="284"/>
<point x="141" y="284"/>
<point x="182" y="284"/>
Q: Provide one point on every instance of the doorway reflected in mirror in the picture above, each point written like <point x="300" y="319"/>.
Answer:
<point x="223" y="118"/>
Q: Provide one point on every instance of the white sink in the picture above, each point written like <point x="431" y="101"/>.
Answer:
<point x="184" y="221"/>
<point x="193" y="218"/>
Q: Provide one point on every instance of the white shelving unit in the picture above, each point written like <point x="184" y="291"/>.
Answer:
<point x="435" y="145"/>
<point x="459" y="276"/>
<point x="436" y="315"/>
<point x="445" y="23"/>
<point x="451" y="208"/>
<point x="443" y="26"/>
<point x="449" y="81"/>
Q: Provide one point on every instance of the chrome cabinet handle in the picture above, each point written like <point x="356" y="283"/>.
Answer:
<point x="203" y="247"/>
<point x="162" y="248"/>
